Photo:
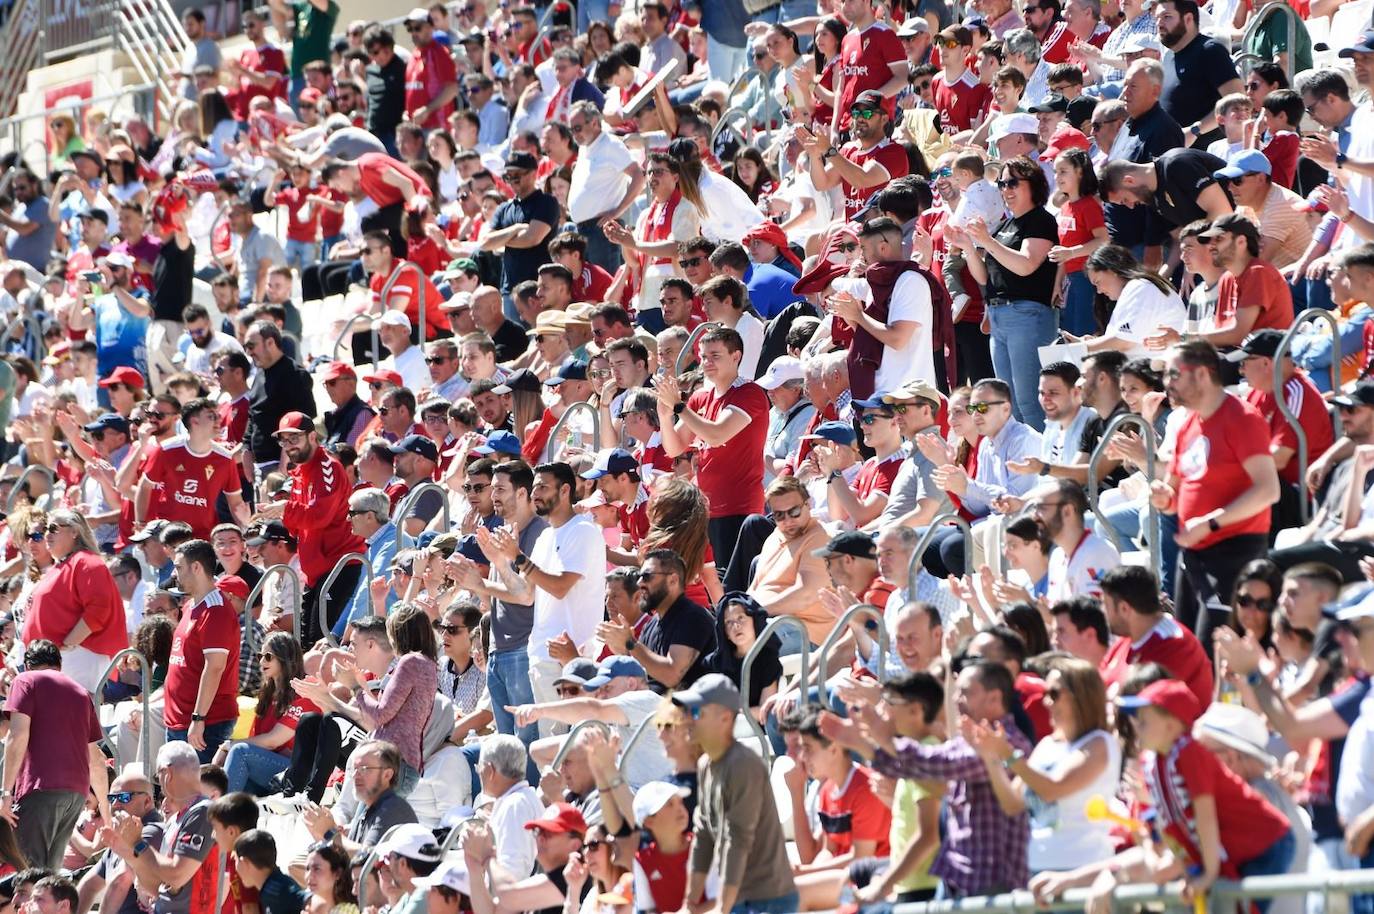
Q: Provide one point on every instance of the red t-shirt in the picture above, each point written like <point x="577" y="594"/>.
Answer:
<point x="934" y="221"/>
<point x="233" y="419"/>
<point x="653" y="455"/>
<point x="591" y="284"/>
<point x="79" y="589"/>
<point x="1260" y="284"/>
<point x="425" y="254"/>
<point x="1248" y="824"/>
<point x="211" y="625"/>
<point x="961" y="102"/>
<point x="1171" y="646"/>
<point x="1030" y="689"/>
<point x="267" y="59"/>
<point x="634" y="519"/>
<point x="868" y="57"/>
<point x="877" y="475"/>
<point x="61" y="732"/>
<point x="1056" y="47"/>
<point x="428" y="72"/>
<point x="189" y="484"/>
<point x="331" y="223"/>
<point x="1305" y="402"/>
<point x="305" y="229"/>
<point x="1208" y="461"/>
<point x="1078" y="219"/>
<point x="851" y="812"/>
<point x="371" y="167"/>
<point x="731" y="474"/>
<point x="662" y="875"/>
<point x="533" y="445"/>
<point x="409" y="285"/>
<point x="1282" y="153"/>
<point x="892" y="157"/>
<point x="294" y="711"/>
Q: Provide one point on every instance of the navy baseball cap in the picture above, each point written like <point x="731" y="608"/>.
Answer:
<point x="1364" y="46"/>
<point x="838" y="432"/>
<point x="108" y="422"/>
<point x="419" y="445"/>
<point x="613" y="667"/>
<point x="875" y="402"/>
<point x="572" y="370"/>
<point x="500" y="442"/>
<point x="615" y="460"/>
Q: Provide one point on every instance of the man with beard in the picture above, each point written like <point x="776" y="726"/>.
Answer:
<point x="679" y="634"/>
<point x="864" y="165"/>
<point x="206" y="341"/>
<point x="31" y="231"/>
<point x="1179" y="186"/>
<point x="316" y="513"/>
<point x="1081" y="557"/>
<point x="521" y="227"/>
<point x="281" y="387"/>
<point x="656" y="238"/>
<point x="1198" y="73"/>
<point x="789" y="575"/>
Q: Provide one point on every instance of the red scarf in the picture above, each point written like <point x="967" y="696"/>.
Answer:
<point x="558" y="101"/>
<point x="658" y="225"/>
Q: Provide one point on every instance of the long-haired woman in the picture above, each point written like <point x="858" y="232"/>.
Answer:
<point x="678" y="516"/>
<point x="250" y="764"/>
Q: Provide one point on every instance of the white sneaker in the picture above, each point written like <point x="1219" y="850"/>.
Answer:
<point x="282" y="804"/>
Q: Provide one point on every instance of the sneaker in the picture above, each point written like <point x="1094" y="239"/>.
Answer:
<point x="282" y="804"/>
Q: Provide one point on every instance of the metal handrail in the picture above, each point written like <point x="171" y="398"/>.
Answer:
<point x="1291" y="48"/>
<point x="1304" y="504"/>
<point x="343" y="562"/>
<point x="258" y="588"/>
<point x="858" y="609"/>
<point x="408" y="503"/>
<point x="369" y="863"/>
<point x="550" y="449"/>
<point x="633" y="741"/>
<point x="689" y="347"/>
<point x="1094" y="484"/>
<point x="914" y="563"/>
<point x="383" y="296"/>
<point x="346" y="332"/>
<point x="23" y="477"/>
<point x="578" y="727"/>
<point x="145" y="733"/>
<point x="730" y="114"/>
<point x="746" y="670"/>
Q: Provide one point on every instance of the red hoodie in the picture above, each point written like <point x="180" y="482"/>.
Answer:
<point x="317" y="515"/>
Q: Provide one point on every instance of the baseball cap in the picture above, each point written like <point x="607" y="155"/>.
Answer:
<point x="1168" y="695"/>
<point x="100" y="216"/>
<point x="915" y="390"/>
<point x="614" y="460"/>
<point x="838" y="432"/>
<point x="876" y="401"/>
<point x="500" y="442"/>
<point x="913" y="27"/>
<point x="571" y="370"/>
<point x="577" y="672"/>
<point x="1261" y="342"/>
<point x="560" y="819"/>
<point x="1081" y="109"/>
<point x="869" y="98"/>
<point x="595" y="500"/>
<point x="521" y="161"/>
<point x="310" y="95"/>
<point x="457" y="302"/>
<point x="419" y="445"/>
<point x="272" y="531"/>
<point x="124" y="374"/>
<point x="394" y="319"/>
<point x="1237" y="727"/>
<point x="612" y="668"/>
<point x="784" y="368"/>
<point x="412" y="841"/>
<point x="1234" y="223"/>
<point x="1053" y="102"/>
<point x="524" y="379"/>
<point x="461" y="265"/>
<point x="419" y="14"/>
<point x="1361" y="395"/>
<point x="106" y="422"/>
<point x="1011" y="124"/>
<point x="653" y="796"/>
<point x="451" y="874"/>
<point x="335" y="370"/>
<point x="1142" y="42"/>
<point x="851" y="542"/>
<point x="1064" y="137"/>
<point x="295" y="422"/>
<point x="151" y="530"/>
<point x="233" y="585"/>
<point x="386" y="376"/>
<point x="711" y="689"/>
<point x="1364" y="46"/>
<point x="1245" y="162"/>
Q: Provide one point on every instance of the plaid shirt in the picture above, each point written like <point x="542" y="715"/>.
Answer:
<point x="984" y="851"/>
<point x="1144" y="24"/>
<point x="250" y="671"/>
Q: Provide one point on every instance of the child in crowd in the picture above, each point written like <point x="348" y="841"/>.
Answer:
<point x="1279" y="118"/>
<point x="1233" y="112"/>
<point x="255" y="864"/>
<point x="978" y="198"/>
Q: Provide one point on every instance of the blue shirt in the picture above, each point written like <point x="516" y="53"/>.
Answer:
<point x="1015" y="441"/>
<point x="34" y="248"/>
<point x="770" y="289"/>
<point x="381" y="549"/>
<point x="119" y="336"/>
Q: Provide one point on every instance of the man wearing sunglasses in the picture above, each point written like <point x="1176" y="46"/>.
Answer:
<point x="131" y="794"/>
<point x="206" y="341"/>
<point x="865" y="164"/>
<point x="960" y="97"/>
<point x="431" y="77"/>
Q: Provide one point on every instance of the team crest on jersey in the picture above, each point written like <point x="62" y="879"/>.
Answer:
<point x="209" y="471"/>
<point x="1193" y="462"/>
<point x="180" y="468"/>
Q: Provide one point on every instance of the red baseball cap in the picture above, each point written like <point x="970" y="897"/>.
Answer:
<point x="336" y="370"/>
<point x="1064" y="137"/>
<point x="560" y="819"/>
<point x="388" y="375"/>
<point x="1167" y="695"/>
<point x="310" y="95"/>
<point x="233" y="585"/>
<point x="295" y="422"/>
<point x="124" y="374"/>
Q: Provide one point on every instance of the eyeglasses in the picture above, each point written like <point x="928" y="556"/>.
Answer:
<point x="1007" y="183"/>
<point x="688" y="263"/>
<point x="267" y="655"/>
<point x="789" y="513"/>
<point x="383" y="410"/>
<point x="947" y="43"/>
<point x="155" y="414"/>
<point x="354" y="512"/>
<point x="123" y="796"/>
<point x="52" y="529"/>
<point x="848" y="247"/>
<point x="476" y="488"/>
<point x="870" y="418"/>
<point x="1245" y="601"/>
<point x="448" y="629"/>
<point x="863" y="114"/>
<point x="979" y="409"/>
<point x="438" y="359"/>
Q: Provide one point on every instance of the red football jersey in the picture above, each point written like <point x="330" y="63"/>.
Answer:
<point x="868" y="58"/>
<point x="189" y="484"/>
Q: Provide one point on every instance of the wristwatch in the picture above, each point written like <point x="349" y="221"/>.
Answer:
<point x="1214" y="525"/>
<point x="630" y="644"/>
<point x="1195" y="130"/>
<point x="521" y="562"/>
<point x="677" y="410"/>
<point x="140" y="847"/>
<point x="197" y="718"/>
<point x="1016" y="756"/>
<point x="1340" y="159"/>
<point x="832" y="151"/>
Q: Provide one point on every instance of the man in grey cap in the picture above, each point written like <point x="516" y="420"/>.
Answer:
<point x="737" y="827"/>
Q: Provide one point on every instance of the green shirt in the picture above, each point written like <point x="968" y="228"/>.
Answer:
<point x="1270" y="38"/>
<point x="906" y="822"/>
<point x="314" y="34"/>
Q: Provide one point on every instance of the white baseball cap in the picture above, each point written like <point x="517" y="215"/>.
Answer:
<point x="784" y="368"/>
<point x="412" y="841"/>
<point x="451" y="874"/>
<point x="1010" y="124"/>
<point x="395" y="319"/>
<point x="653" y="796"/>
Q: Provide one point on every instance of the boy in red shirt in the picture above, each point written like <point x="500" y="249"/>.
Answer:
<point x="302" y="215"/>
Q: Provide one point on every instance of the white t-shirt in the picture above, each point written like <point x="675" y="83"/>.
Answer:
<point x="1142" y="310"/>
<point x="411" y="365"/>
<point x="750" y="329"/>
<point x="598" y="178"/>
<point x="576" y="546"/>
<point x="1062" y="837"/>
<point x="1081" y="572"/>
<point x="649" y="760"/>
<point x="514" y="843"/>
<point x="910" y="302"/>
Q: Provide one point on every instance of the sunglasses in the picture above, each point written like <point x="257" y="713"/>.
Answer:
<point x="790" y="513"/>
<point x="870" y="418"/>
<point x="863" y="114"/>
<point x="1006" y="183"/>
<point x="52" y="529"/>
<point x="979" y="409"/>
<point x="383" y="410"/>
<point x="36" y="536"/>
<point x="123" y="796"/>
<point x="1245" y="601"/>
<point x="848" y="247"/>
<point x="449" y="629"/>
<point x="690" y="262"/>
<point x="947" y="43"/>
<point x="267" y="655"/>
<point x="476" y="488"/>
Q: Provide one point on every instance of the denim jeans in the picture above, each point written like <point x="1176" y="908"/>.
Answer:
<point x="472" y="752"/>
<point x="1130" y="518"/>
<point x="1275" y="861"/>
<point x="508" y="683"/>
<point x="1077" y="314"/>
<point x="248" y="766"/>
<point x="1019" y="329"/>
<point x="783" y="904"/>
<point x="300" y="254"/>
<point x="214" y="735"/>
<point x="589" y="11"/>
<point x="725" y="61"/>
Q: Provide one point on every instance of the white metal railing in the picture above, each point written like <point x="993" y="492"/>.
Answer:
<point x="22" y="43"/>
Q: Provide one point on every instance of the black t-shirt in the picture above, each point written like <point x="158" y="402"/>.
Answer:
<point x="1092" y="434"/>
<point x="555" y="876"/>
<point x="684" y="623"/>
<point x="1183" y="174"/>
<point x="511" y="341"/>
<point x="1012" y="231"/>
<point x="1147" y="137"/>
<point x="520" y="264"/>
<point x="386" y="95"/>
<point x="1192" y="84"/>
<point x="173" y="272"/>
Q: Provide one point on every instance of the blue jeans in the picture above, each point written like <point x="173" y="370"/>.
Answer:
<point x="300" y="254"/>
<point x="1019" y="329"/>
<point x="589" y="11"/>
<point x="783" y="904"/>
<point x="214" y="735"/>
<point x="472" y="752"/>
<point x="249" y="766"/>
<point x="508" y="683"/>
<point x="1274" y="861"/>
<point x="788" y="10"/>
<point x="1129" y="519"/>
<point x="725" y="61"/>
<point x="600" y="251"/>
<point x="1077" y="315"/>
